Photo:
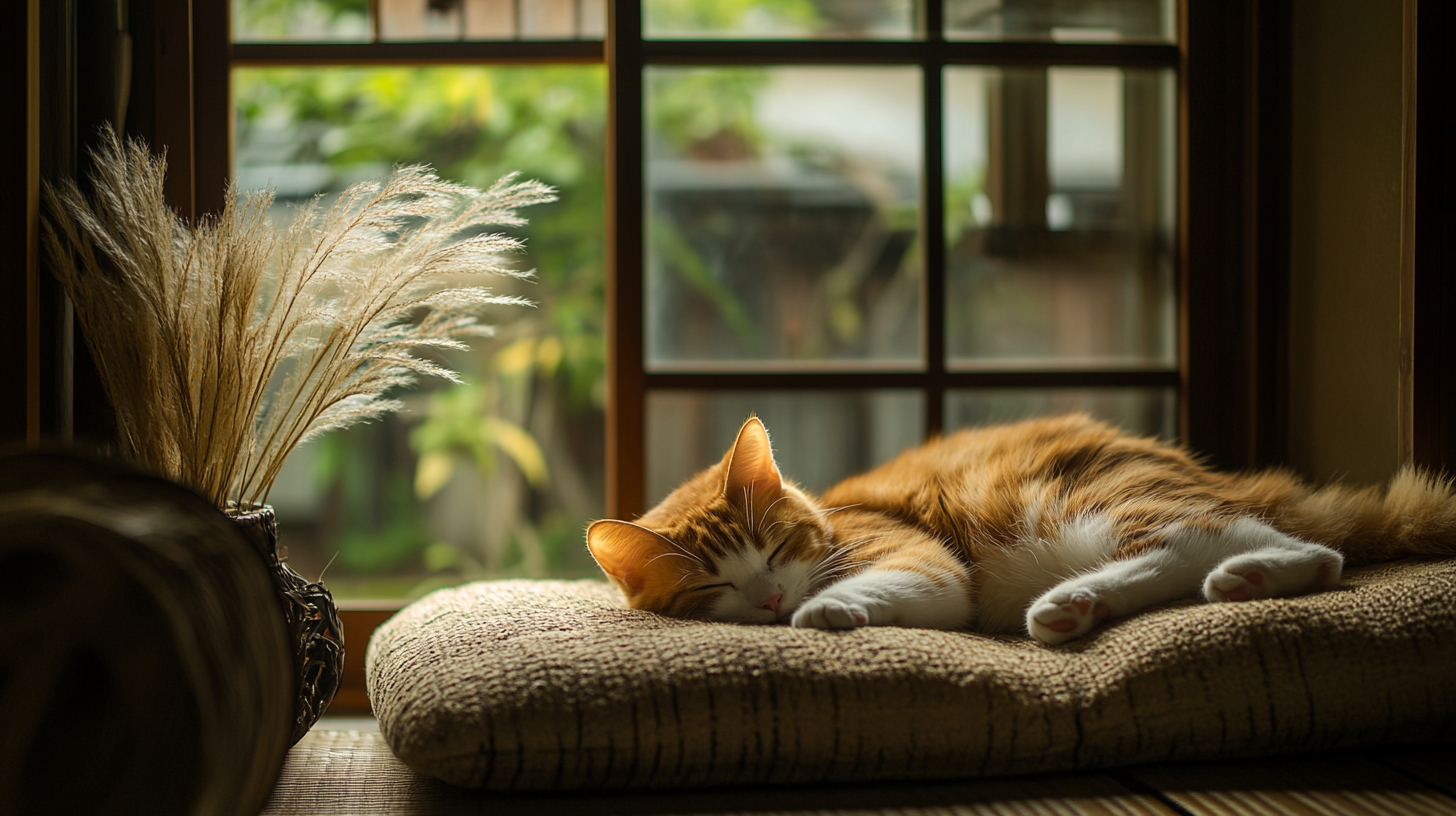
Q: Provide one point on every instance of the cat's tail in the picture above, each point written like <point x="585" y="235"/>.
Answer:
<point x="1414" y="515"/>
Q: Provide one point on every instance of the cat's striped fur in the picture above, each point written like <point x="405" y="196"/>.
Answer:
<point x="1047" y="526"/>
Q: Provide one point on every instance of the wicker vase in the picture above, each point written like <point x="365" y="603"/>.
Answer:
<point x="314" y="631"/>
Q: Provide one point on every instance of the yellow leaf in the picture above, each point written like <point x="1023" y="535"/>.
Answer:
<point x="517" y="357"/>
<point x="433" y="471"/>
<point x="548" y="354"/>
<point x="520" y="446"/>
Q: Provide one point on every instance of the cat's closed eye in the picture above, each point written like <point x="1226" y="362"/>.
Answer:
<point x="712" y="586"/>
<point x="776" y="551"/>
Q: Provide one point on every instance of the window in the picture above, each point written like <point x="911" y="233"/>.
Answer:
<point x="873" y="222"/>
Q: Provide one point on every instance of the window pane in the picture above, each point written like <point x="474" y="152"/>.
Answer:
<point x="1062" y="20"/>
<point x="497" y="476"/>
<point x="422" y="20"/>
<point x="1060" y="217"/>
<point x="1143" y="411"/>
<point x="300" y="20"/>
<point x="778" y="19"/>
<point x="782" y="213"/>
<point x="819" y="437"/>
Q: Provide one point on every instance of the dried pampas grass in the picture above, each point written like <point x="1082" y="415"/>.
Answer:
<point x="226" y="345"/>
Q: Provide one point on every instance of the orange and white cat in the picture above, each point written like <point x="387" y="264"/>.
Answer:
<point x="1049" y="526"/>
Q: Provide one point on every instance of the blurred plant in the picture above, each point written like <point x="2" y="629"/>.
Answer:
<point x="697" y="18"/>
<point x="295" y="19"/>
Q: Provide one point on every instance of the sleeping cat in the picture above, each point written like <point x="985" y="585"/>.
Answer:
<point x="1048" y="526"/>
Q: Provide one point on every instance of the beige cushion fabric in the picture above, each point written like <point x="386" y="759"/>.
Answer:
<point x="539" y="685"/>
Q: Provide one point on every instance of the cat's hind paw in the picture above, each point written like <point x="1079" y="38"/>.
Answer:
<point x="1061" y="615"/>
<point x="1259" y="575"/>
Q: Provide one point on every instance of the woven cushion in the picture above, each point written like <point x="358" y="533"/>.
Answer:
<point x="537" y="685"/>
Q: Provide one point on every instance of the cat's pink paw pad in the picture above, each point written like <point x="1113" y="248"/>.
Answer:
<point x="831" y="613"/>
<point x="1056" y="620"/>
<point x="1231" y="585"/>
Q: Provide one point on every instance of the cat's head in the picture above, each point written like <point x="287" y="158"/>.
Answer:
<point x="734" y="543"/>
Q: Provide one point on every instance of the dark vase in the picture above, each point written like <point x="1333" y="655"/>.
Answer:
<point x="314" y="631"/>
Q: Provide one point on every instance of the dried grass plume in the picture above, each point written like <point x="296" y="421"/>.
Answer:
<point x="226" y="345"/>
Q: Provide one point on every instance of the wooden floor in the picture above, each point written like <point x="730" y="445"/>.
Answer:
<point x="345" y="768"/>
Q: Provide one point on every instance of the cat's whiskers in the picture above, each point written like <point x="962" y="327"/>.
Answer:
<point x="839" y="561"/>
<point x="681" y="550"/>
<point x="766" y="511"/>
<point x="678" y="555"/>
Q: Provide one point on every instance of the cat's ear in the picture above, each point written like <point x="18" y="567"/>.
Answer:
<point x="629" y="553"/>
<point x="752" y="477"/>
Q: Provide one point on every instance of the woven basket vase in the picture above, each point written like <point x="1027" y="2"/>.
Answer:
<point x="312" y="618"/>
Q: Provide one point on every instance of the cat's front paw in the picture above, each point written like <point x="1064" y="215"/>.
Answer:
<point x="823" y="612"/>
<point x="1063" y="615"/>
<point x="849" y="604"/>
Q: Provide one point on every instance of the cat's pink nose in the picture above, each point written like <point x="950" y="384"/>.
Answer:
<point x="771" y="603"/>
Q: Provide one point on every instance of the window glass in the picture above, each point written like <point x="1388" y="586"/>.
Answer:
<point x="417" y="20"/>
<point x="782" y="215"/>
<point x="1144" y="411"/>
<point x="819" y="437"/>
<point x="497" y="476"/>
<point x="1060" y="218"/>
<point x="300" y="20"/>
<point x="1062" y="20"/>
<point x="778" y="19"/>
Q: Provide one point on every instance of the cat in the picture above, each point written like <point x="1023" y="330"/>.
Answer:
<point x="1047" y="526"/>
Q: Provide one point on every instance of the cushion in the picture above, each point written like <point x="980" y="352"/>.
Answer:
<point x="523" y="685"/>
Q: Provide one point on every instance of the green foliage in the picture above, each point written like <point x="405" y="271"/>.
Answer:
<point x="291" y="19"/>
<point x="692" y="106"/>
<point x="719" y="17"/>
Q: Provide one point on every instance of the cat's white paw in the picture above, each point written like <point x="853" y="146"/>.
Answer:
<point x="826" y="612"/>
<point x="1062" y="615"/>
<point x="1258" y="575"/>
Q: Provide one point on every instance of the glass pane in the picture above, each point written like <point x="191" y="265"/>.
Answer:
<point x="548" y="20"/>
<point x="1143" y="411"/>
<point x="782" y="213"/>
<point x="1062" y="20"/>
<point x="420" y="20"/>
<point x="489" y="19"/>
<point x="778" y="19"/>
<point x="497" y="476"/>
<point x="819" y="437"/>
<point x="300" y="20"/>
<point x="1060" y="217"/>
